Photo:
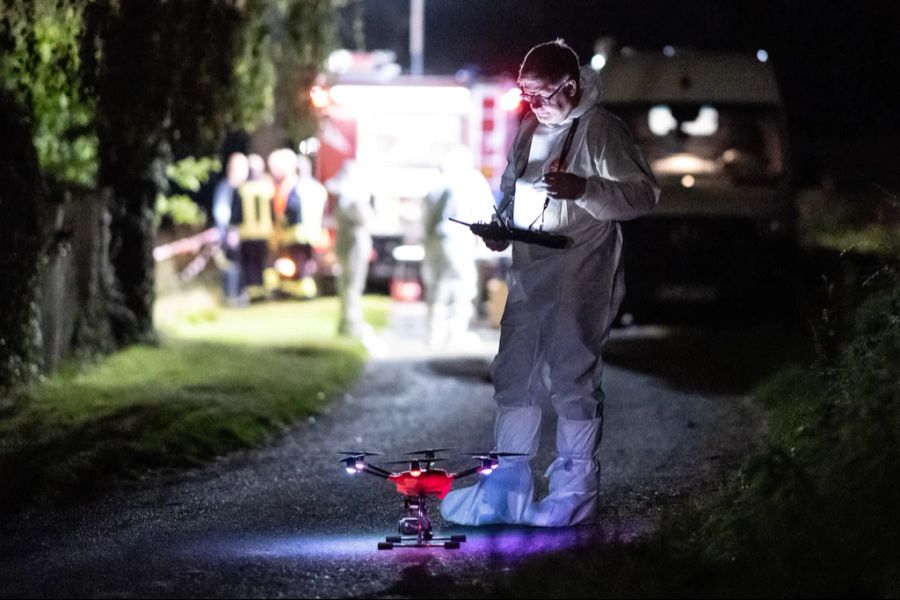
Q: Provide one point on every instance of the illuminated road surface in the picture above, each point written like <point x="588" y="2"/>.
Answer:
<point x="288" y="521"/>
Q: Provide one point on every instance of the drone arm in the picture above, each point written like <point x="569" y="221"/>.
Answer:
<point x="466" y="473"/>
<point x="373" y="470"/>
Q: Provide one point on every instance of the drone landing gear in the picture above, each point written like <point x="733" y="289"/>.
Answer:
<point x="395" y="541"/>
<point x="415" y="530"/>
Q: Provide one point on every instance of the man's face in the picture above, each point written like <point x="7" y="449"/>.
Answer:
<point x="551" y="100"/>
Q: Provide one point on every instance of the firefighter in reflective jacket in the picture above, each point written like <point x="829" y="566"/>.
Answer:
<point x="253" y="217"/>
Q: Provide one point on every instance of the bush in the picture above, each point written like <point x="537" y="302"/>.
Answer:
<point x="816" y="511"/>
<point x="812" y="513"/>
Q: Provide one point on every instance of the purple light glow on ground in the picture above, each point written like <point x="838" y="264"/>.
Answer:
<point x="500" y="544"/>
<point x="516" y="543"/>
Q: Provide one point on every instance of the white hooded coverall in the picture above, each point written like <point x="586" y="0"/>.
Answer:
<point x="353" y="244"/>
<point x="448" y="270"/>
<point x="560" y="307"/>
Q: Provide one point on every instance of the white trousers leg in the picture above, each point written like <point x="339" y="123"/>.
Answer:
<point x="354" y="260"/>
<point x="574" y="477"/>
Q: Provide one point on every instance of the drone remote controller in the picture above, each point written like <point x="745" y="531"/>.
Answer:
<point x="496" y="231"/>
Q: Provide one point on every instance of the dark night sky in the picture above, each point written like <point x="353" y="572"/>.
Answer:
<point x="837" y="61"/>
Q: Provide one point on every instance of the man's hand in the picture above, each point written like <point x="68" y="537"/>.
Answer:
<point x="496" y="245"/>
<point x="562" y="186"/>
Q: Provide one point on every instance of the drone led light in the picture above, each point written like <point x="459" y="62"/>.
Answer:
<point x="351" y="470"/>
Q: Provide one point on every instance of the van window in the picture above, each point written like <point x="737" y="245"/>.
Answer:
<point x="715" y="145"/>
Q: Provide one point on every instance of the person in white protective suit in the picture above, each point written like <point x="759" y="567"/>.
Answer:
<point x="574" y="170"/>
<point x="303" y="232"/>
<point x="312" y="197"/>
<point x="353" y="244"/>
<point x="448" y="269"/>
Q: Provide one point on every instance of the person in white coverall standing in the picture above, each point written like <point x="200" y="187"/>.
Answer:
<point x="353" y="244"/>
<point x="448" y="269"/>
<point x="573" y="170"/>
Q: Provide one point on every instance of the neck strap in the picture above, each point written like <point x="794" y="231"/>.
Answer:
<point x="567" y="144"/>
<point x="562" y="160"/>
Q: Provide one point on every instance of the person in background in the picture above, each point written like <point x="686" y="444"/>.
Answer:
<point x="574" y="170"/>
<point x="237" y="171"/>
<point x="282" y="165"/>
<point x="253" y="216"/>
<point x="225" y="197"/>
<point x="303" y="217"/>
<point x="448" y="269"/>
<point x="257" y="167"/>
<point x="353" y="244"/>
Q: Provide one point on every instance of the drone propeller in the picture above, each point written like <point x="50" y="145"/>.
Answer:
<point x="488" y="462"/>
<point x="413" y="460"/>
<point x="355" y="460"/>
<point x="428" y="453"/>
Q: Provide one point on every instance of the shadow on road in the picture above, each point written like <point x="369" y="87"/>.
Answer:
<point x="419" y="581"/>
<point x="708" y="358"/>
<point x="727" y="359"/>
<point x="462" y="367"/>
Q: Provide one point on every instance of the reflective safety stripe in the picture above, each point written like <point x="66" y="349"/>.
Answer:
<point x="256" y="201"/>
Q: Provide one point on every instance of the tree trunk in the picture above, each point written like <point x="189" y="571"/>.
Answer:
<point x="95" y="279"/>
<point x="22" y="196"/>
<point x="131" y="255"/>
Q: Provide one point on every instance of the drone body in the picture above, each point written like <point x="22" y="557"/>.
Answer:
<point x="416" y="485"/>
<point x="435" y="482"/>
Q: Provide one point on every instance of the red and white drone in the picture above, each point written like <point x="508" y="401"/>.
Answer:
<point x="416" y="485"/>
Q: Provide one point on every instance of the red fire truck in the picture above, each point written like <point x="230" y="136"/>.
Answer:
<point x="399" y="130"/>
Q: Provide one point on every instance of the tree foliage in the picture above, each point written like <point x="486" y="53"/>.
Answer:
<point x="253" y="92"/>
<point x="188" y="175"/>
<point x="302" y="34"/>
<point x="170" y="77"/>
<point x="113" y="91"/>
<point x="158" y="85"/>
<point x="40" y="67"/>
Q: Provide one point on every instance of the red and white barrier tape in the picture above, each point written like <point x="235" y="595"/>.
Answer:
<point x="196" y="266"/>
<point x="191" y="244"/>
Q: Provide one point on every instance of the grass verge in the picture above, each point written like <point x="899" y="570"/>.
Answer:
<point x="812" y="514"/>
<point x="864" y="220"/>
<point x="221" y="380"/>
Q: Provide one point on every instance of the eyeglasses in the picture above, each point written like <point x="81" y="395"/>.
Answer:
<point x="533" y="99"/>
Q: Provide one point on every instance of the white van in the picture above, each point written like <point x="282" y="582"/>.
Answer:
<point x="712" y="128"/>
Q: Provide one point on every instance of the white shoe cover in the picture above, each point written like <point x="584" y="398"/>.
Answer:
<point x="574" y="478"/>
<point x="504" y="495"/>
<point x="498" y="498"/>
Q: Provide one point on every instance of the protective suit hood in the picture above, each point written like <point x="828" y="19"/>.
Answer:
<point x="591" y="93"/>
